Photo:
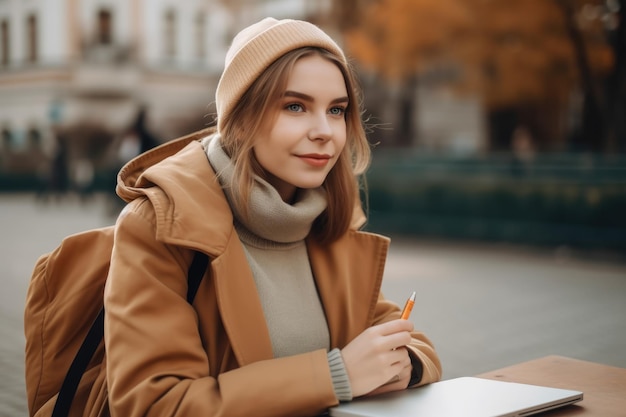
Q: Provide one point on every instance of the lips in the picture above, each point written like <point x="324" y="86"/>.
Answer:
<point x="315" y="160"/>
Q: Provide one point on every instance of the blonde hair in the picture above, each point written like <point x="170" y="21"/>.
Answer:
<point x="256" y="106"/>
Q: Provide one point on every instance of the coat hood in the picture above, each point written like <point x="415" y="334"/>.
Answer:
<point x="129" y="178"/>
<point x="182" y="188"/>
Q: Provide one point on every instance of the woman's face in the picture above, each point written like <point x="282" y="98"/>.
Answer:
<point x="308" y="132"/>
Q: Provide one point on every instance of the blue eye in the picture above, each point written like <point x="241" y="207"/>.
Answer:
<point x="294" y="107"/>
<point x="337" y="111"/>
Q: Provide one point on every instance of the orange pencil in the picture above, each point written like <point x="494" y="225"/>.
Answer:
<point x="408" y="307"/>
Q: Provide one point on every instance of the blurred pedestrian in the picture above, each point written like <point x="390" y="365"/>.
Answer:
<point x="136" y="139"/>
<point x="289" y="319"/>
<point x="139" y="128"/>
<point x="57" y="177"/>
<point x="83" y="174"/>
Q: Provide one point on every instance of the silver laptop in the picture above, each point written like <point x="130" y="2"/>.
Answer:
<point x="462" y="397"/>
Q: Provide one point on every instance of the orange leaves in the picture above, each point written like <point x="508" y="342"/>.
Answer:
<point x="397" y="36"/>
<point x="510" y="51"/>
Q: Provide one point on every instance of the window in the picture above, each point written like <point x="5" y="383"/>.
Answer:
<point x="105" y="36"/>
<point x="4" y="43"/>
<point x="31" y="36"/>
<point x="170" y="34"/>
<point x="200" y="35"/>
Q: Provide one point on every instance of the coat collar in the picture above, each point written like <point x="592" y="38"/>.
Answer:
<point x="192" y="211"/>
<point x="188" y="200"/>
<point x="349" y="274"/>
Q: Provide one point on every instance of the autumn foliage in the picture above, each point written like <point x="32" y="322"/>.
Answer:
<point x="509" y="51"/>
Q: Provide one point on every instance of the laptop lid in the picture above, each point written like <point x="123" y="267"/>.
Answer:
<point x="462" y="397"/>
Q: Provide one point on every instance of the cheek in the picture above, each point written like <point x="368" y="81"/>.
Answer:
<point x="340" y="146"/>
<point x="264" y="156"/>
<point x="342" y="139"/>
<point x="286" y="130"/>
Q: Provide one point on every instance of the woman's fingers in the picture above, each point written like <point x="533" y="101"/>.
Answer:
<point x="391" y="335"/>
<point x="397" y="382"/>
<point x="393" y="326"/>
<point x="377" y="355"/>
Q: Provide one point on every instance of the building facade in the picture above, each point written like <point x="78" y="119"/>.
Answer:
<point x="67" y="64"/>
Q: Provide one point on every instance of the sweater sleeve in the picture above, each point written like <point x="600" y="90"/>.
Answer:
<point x="341" y="382"/>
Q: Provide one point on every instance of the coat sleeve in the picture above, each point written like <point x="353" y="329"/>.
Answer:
<point x="421" y="349"/>
<point x="156" y="363"/>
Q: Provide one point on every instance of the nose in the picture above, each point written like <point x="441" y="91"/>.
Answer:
<point x="320" y="128"/>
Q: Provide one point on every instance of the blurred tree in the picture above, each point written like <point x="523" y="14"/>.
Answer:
<point x="586" y="31"/>
<point x="616" y="82"/>
<point x="346" y="14"/>
<point x="525" y="58"/>
<point x="399" y="38"/>
<point x="536" y="60"/>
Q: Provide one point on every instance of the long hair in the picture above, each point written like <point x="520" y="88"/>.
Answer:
<point x="258" y="104"/>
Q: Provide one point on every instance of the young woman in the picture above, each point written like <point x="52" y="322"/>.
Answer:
<point x="288" y="319"/>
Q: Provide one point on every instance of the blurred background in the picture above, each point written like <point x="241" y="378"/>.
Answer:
<point x="499" y="164"/>
<point x="500" y="120"/>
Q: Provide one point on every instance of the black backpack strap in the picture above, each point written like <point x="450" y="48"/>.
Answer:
<point x="96" y="332"/>
<point x="78" y="367"/>
<point x="194" y="276"/>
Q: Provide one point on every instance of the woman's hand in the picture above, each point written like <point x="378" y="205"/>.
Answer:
<point x="377" y="361"/>
<point x="397" y="383"/>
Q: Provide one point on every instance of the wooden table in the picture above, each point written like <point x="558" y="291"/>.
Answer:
<point x="603" y="387"/>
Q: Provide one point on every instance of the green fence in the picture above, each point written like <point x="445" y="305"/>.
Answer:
<point x="574" y="200"/>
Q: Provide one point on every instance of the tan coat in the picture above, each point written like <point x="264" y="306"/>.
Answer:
<point x="166" y="358"/>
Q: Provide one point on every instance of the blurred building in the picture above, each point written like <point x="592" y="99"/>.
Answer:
<point x="91" y="65"/>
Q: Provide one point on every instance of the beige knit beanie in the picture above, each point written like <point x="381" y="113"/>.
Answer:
<point x="255" y="48"/>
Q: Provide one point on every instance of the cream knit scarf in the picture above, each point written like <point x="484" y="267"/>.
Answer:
<point x="270" y="218"/>
<point x="273" y="238"/>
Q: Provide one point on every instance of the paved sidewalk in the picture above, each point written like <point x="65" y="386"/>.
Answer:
<point x="484" y="306"/>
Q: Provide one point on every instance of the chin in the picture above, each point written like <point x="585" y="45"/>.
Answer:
<point x="307" y="185"/>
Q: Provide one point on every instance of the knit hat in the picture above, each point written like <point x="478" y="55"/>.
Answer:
<point x="255" y="48"/>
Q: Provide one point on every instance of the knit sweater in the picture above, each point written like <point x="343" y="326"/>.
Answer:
<point x="273" y="236"/>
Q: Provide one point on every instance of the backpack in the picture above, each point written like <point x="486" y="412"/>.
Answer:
<point x="63" y="322"/>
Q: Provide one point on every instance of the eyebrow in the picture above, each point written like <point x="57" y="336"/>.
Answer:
<point x="307" y="97"/>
